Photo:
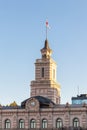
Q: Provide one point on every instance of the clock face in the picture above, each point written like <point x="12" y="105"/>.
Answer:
<point x="32" y="103"/>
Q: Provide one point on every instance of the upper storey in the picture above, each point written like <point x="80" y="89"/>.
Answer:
<point x="45" y="68"/>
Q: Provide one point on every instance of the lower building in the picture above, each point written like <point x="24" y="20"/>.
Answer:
<point x="80" y="99"/>
<point x="43" y="110"/>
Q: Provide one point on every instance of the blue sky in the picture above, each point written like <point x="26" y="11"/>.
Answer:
<point x="22" y="35"/>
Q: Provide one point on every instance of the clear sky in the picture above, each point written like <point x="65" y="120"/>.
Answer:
<point x="22" y="35"/>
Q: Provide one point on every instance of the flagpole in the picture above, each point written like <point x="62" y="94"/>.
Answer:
<point x="47" y="25"/>
<point x="46" y="32"/>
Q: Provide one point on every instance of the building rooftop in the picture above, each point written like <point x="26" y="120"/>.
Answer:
<point x="81" y="96"/>
<point x="44" y="102"/>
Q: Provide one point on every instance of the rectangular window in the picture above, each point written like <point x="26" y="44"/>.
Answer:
<point x="53" y="73"/>
<point x="42" y="72"/>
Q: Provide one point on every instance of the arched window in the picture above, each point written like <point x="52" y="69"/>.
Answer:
<point x="7" y="124"/>
<point x="75" y="122"/>
<point x="59" y="123"/>
<point x="44" y="123"/>
<point x="32" y="123"/>
<point x="21" y="123"/>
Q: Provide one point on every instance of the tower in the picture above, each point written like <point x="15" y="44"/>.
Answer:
<point x="45" y="83"/>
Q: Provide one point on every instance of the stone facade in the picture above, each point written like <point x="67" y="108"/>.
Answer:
<point x="43" y="109"/>
<point x="45" y="83"/>
<point x="51" y="113"/>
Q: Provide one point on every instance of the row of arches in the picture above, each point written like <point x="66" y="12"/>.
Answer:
<point x="59" y="123"/>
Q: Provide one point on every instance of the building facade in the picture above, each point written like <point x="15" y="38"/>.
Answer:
<point x="43" y="109"/>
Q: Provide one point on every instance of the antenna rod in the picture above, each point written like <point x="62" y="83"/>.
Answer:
<point x="46" y="32"/>
<point x="78" y="90"/>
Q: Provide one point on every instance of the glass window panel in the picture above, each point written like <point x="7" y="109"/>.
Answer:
<point x="21" y="123"/>
<point x="44" y="123"/>
<point x="59" y="123"/>
<point x="76" y="122"/>
<point x="32" y="123"/>
<point x="7" y="124"/>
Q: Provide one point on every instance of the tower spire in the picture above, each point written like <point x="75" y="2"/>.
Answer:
<point x="46" y="51"/>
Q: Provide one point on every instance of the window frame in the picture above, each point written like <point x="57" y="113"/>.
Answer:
<point x="42" y="72"/>
<point x="7" y="124"/>
<point x="21" y="123"/>
<point x="32" y="123"/>
<point x="76" y="123"/>
<point x="44" y="123"/>
<point x="59" y="123"/>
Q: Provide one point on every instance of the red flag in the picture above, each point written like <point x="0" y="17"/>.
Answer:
<point x="47" y="25"/>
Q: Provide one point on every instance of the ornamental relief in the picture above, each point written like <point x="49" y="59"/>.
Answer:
<point x="84" y="118"/>
<point x="38" y="116"/>
<point x="32" y="117"/>
<point x="21" y="114"/>
<point x="14" y="117"/>
<point x="32" y="114"/>
<point x="66" y="116"/>
<point x="44" y="114"/>
<point x="59" y="113"/>
<point x="32" y="104"/>
<point x="44" y="117"/>
<point x="7" y="114"/>
<point x="75" y="113"/>
<point x="50" y="116"/>
<point x="26" y="117"/>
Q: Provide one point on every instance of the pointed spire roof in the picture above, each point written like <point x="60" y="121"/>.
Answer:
<point x="46" y="45"/>
<point x="46" y="51"/>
